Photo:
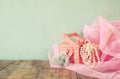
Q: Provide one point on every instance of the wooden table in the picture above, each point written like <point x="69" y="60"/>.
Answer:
<point x="34" y="69"/>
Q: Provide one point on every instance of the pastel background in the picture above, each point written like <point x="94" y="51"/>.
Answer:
<point x="28" y="28"/>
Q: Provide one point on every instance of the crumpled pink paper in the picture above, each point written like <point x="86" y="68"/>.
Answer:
<point x="107" y="35"/>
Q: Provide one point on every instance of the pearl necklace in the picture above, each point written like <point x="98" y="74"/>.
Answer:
<point x="89" y="53"/>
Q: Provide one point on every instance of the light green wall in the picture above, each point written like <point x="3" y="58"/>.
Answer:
<point x="28" y="28"/>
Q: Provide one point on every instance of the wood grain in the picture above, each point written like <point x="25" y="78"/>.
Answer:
<point x="35" y="69"/>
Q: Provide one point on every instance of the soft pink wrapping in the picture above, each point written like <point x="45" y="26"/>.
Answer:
<point x="107" y="35"/>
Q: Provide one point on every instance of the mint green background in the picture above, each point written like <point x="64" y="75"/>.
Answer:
<point x="28" y="28"/>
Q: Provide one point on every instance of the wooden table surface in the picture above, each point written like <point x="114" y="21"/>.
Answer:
<point x="34" y="69"/>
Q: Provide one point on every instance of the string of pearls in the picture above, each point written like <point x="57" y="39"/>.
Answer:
<point x="89" y="53"/>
